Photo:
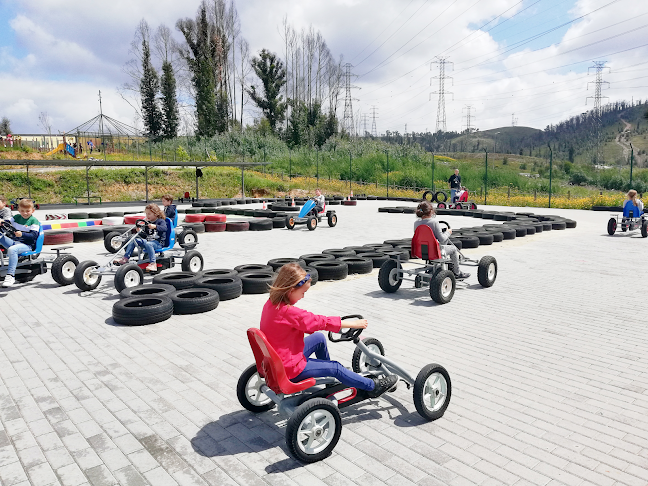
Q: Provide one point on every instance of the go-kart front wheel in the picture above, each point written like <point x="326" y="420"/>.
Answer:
<point x="313" y="430"/>
<point x="290" y="222"/>
<point x="442" y="286"/>
<point x="83" y="277"/>
<point x="311" y="223"/>
<point x="612" y="226"/>
<point x="432" y="391"/>
<point x="192" y="262"/>
<point x="113" y="242"/>
<point x="360" y="361"/>
<point x="388" y="276"/>
<point x="332" y="220"/>
<point x="487" y="271"/>
<point x="128" y="276"/>
<point x="248" y="391"/>
<point x="644" y="229"/>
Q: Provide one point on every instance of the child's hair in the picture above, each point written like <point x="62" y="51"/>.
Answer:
<point x="425" y="210"/>
<point x="26" y="203"/>
<point x="289" y="275"/>
<point x="3" y="199"/>
<point x="632" y="196"/>
<point x="155" y="209"/>
<point x="167" y="197"/>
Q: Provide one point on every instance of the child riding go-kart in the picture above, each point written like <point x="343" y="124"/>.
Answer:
<point x="313" y="405"/>
<point x="632" y="219"/>
<point x="462" y="202"/>
<point x="309" y="216"/>
<point x="435" y="270"/>
<point x="88" y="274"/>
<point x="32" y="263"/>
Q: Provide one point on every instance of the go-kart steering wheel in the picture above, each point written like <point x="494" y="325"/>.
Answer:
<point x="349" y="334"/>
<point x="141" y="223"/>
<point x="447" y="224"/>
<point x="7" y="229"/>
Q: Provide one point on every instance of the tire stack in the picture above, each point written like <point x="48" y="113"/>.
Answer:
<point x="58" y="237"/>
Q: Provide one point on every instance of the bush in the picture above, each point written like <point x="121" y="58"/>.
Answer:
<point x="577" y="178"/>
<point x="505" y="161"/>
<point x="523" y="166"/>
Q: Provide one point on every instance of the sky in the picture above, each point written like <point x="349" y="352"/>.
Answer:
<point x="525" y="59"/>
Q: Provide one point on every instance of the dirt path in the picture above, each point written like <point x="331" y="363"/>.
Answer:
<point x="623" y="139"/>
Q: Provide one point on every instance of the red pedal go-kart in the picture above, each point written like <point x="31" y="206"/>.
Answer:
<point x="313" y="406"/>
<point x="435" y="270"/>
<point x="462" y="203"/>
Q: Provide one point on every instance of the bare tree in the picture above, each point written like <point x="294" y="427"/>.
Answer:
<point x="45" y="121"/>
<point x="244" y="56"/>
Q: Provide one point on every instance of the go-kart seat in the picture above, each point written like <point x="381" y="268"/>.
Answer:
<point x="425" y="244"/>
<point x="464" y="197"/>
<point x="170" y="239"/>
<point x="629" y="206"/>
<point x="175" y="220"/>
<point x="271" y="368"/>
<point x="39" y="244"/>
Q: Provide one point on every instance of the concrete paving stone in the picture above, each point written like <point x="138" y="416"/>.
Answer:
<point x="12" y="473"/>
<point x="129" y="475"/>
<point x="100" y="476"/>
<point x="143" y="460"/>
<point x="71" y="475"/>
<point x="41" y="474"/>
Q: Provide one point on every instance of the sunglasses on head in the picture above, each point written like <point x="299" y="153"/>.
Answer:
<point x="303" y="281"/>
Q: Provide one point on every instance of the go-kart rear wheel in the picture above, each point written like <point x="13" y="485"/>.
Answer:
<point x="432" y="391"/>
<point x="360" y="361"/>
<point x="612" y="226"/>
<point x="248" y="391"/>
<point x="127" y="276"/>
<point x="83" y="277"/>
<point x="311" y="223"/>
<point x="388" y="277"/>
<point x="332" y="220"/>
<point x="442" y="286"/>
<point x="644" y="229"/>
<point x="63" y="269"/>
<point x="187" y="237"/>
<point x="313" y="430"/>
<point x="487" y="271"/>
<point x="290" y="222"/>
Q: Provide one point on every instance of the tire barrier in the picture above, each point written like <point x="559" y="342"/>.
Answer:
<point x="312" y="271"/>
<point x="180" y="280"/>
<point x="316" y="257"/>
<point x="194" y="218"/>
<point x="194" y="301"/>
<point x="58" y="237"/>
<point x="139" y="311"/>
<point x="132" y="218"/>
<point x="196" y="227"/>
<point x="215" y="226"/>
<point x="277" y="263"/>
<point x="87" y="234"/>
<point x="78" y="216"/>
<point x="331" y="269"/>
<point x="358" y="264"/>
<point x="220" y="218"/>
<point x="253" y="267"/>
<point x="257" y="282"/>
<point x="97" y="215"/>
<point x="260" y="224"/>
<point x="228" y="287"/>
<point x="219" y="272"/>
<point x="237" y="226"/>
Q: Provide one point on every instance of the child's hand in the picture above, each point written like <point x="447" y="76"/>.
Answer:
<point x="151" y="226"/>
<point x="18" y="233"/>
<point x="449" y="231"/>
<point x="359" y="324"/>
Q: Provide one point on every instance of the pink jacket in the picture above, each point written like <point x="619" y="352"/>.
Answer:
<point x="285" y="327"/>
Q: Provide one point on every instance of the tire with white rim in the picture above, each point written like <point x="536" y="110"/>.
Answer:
<point x="83" y="277"/>
<point x="63" y="269"/>
<point x="432" y="391"/>
<point x="113" y="241"/>
<point x="487" y="271"/>
<point x="192" y="261"/>
<point x="248" y="391"/>
<point x="313" y="430"/>
<point x="388" y="278"/>
<point x="442" y="287"/>
<point x="360" y="361"/>
<point x="127" y="276"/>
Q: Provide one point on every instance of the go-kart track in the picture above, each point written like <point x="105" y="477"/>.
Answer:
<point x="549" y="371"/>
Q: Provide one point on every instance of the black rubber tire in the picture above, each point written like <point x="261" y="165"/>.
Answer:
<point x="377" y="258"/>
<point x="77" y="215"/>
<point x="387" y="277"/>
<point x="80" y="281"/>
<point x="98" y="215"/>
<point x="257" y="282"/>
<point x="115" y="214"/>
<point x="571" y="224"/>
<point x="338" y="252"/>
<point x="228" y="287"/>
<point x="254" y="267"/>
<point x="316" y="257"/>
<point x="438" y="287"/>
<point x="219" y="272"/>
<point x="485" y="238"/>
<point x="312" y="271"/>
<point x="498" y="236"/>
<point x="358" y="363"/>
<point x="311" y="223"/>
<point x="303" y="411"/>
<point x="403" y="254"/>
<point x="358" y="264"/>
<point x="277" y="263"/>
<point x="290" y="222"/>
<point x="425" y="194"/>
<point x="520" y="231"/>
<point x="331" y="269"/>
<point x="237" y="226"/>
<point x="153" y="290"/>
<point x="193" y="262"/>
<point x="279" y="223"/>
<point x="558" y="225"/>
<point x="111" y="242"/>
<point x="194" y="301"/>
<point x="262" y="405"/>
<point x="264" y="224"/>
<point x="63" y="268"/>
<point x="119" y="228"/>
<point x="127" y="277"/>
<point x="87" y="234"/>
<point x="139" y="311"/>
<point x="196" y="227"/>
<point x="420" y="391"/>
<point x="456" y="242"/>
<point x="405" y="247"/>
<point x="180" y="280"/>
<point x="531" y="230"/>
<point x="487" y="271"/>
<point x="187" y="237"/>
<point x="443" y="198"/>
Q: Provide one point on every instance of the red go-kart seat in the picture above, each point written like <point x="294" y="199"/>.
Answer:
<point x="425" y="245"/>
<point x="464" y="197"/>
<point x="271" y="368"/>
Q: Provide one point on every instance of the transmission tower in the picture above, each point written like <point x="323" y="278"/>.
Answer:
<point x="347" y="123"/>
<point x="374" y="131"/>
<point x="364" y="124"/>
<point x="514" y="120"/>
<point x="599" y="66"/>
<point x="441" y="111"/>
<point x="469" y="117"/>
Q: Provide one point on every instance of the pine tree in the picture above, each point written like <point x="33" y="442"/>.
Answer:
<point x="270" y="70"/>
<point x="170" y="114"/>
<point x="149" y="87"/>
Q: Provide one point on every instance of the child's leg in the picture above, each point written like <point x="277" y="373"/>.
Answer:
<point x="129" y="248"/>
<point x="12" y="255"/>
<point x="6" y="242"/>
<point x="151" y="247"/>
<point x="316" y="343"/>
<point x="319" y="368"/>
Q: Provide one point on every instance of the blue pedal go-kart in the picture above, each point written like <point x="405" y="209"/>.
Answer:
<point x="312" y="406"/>
<point x="310" y="217"/>
<point x="633" y="219"/>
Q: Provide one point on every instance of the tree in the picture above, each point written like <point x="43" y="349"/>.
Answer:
<point x="45" y="121"/>
<point x="149" y="87"/>
<point x="270" y="70"/>
<point x="5" y="126"/>
<point x="170" y="115"/>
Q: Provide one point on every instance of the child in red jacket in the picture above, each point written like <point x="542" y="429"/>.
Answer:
<point x="284" y="326"/>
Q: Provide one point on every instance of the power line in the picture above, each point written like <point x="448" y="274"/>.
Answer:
<point x="469" y="117"/>
<point x="348" y="101"/>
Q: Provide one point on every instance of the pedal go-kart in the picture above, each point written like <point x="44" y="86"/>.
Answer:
<point x="32" y="263"/>
<point x="462" y="203"/>
<point x="632" y="219"/>
<point x="309" y="216"/>
<point x="185" y="237"/>
<point x="312" y="406"/>
<point x="16" y="201"/>
<point x="435" y="270"/>
<point x="88" y="274"/>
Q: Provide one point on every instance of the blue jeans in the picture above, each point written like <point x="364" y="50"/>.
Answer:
<point x="150" y="247"/>
<point x="323" y="367"/>
<point x="14" y="249"/>
<point x="453" y="194"/>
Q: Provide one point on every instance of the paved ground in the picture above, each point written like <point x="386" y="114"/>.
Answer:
<point x="548" y="370"/>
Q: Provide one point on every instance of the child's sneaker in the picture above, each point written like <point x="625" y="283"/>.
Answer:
<point x="461" y="276"/>
<point x="382" y="384"/>
<point x="121" y="261"/>
<point x="151" y="267"/>
<point x="9" y="281"/>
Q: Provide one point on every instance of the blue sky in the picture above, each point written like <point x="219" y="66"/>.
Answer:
<point x="55" y="56"/>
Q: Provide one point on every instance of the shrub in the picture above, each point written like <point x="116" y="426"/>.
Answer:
<point x="577" y="178"/>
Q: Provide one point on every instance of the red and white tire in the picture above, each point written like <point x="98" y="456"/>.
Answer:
<point x="58" y="237"/>
<point x="215" y="226"/>
<point x="112" y="220"/>
<point x="195" y="218"/>
<point x="54" y="217"/>
<point x="132" y="218"/>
